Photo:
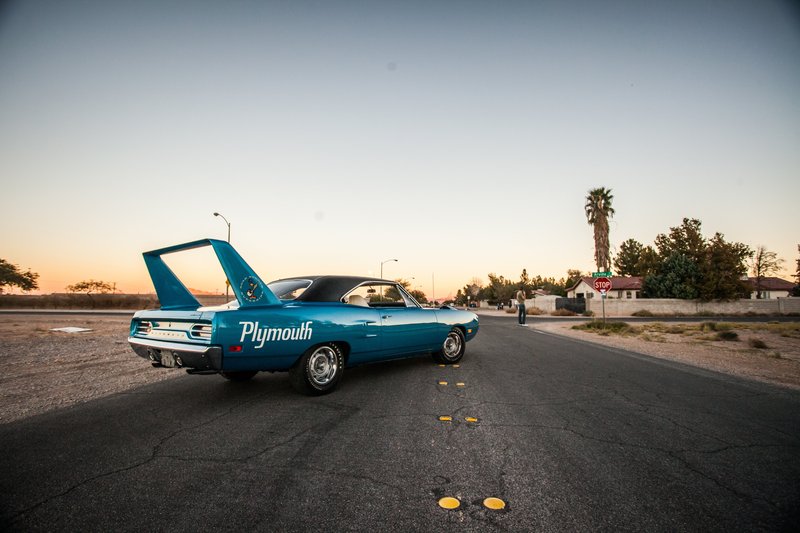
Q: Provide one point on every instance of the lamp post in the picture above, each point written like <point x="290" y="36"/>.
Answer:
<point x="387" y="261"/>
<point x="228" y="224"/>
<point x="227" y="282"/>
<point x="382" y="262"/>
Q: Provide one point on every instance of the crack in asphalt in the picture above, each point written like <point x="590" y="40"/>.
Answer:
<point x="154" y="454"/>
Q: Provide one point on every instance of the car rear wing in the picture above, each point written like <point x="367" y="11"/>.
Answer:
<point x="249" y="289"/>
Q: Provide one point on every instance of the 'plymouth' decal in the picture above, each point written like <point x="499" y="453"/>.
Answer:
<point x="267" y="334"/>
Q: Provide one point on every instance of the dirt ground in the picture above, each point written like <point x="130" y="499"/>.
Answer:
<point x="45" y="370"/>
<point x="777" y="361"/>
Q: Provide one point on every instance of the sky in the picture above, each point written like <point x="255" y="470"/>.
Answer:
<point x="459" y="138"/>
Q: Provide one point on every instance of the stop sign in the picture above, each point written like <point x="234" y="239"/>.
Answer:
<point x="602" y="284"/>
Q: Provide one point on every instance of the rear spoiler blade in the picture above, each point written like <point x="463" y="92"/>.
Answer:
<point x="248" y="288"/>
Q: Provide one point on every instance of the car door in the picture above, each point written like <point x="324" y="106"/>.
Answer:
<point x="406" y="327"/>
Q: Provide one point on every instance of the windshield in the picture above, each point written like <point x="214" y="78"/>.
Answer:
<point x="289" y="289"/>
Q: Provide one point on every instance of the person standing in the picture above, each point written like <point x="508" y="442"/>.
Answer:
<point x="521" y="305"/>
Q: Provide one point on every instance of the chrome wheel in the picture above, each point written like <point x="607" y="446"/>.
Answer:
<point x="453" y="344"/>
<point x="323" y="365"/>
<point x="452" y="349"/>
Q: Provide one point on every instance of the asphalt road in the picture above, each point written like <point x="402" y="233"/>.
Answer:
<point x="571" y="436"/>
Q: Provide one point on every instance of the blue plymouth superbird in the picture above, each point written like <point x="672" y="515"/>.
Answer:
<point x="311" y="326"/>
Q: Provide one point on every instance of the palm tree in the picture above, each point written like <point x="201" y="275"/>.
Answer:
<point x="598" y="211"/>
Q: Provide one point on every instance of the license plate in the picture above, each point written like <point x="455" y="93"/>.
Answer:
<point x="167" y="359"/>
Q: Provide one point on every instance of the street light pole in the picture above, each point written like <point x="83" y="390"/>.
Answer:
<point x="387" y="261"/>
<point x="227" y="282"/>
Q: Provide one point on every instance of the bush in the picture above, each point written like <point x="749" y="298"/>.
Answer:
<point x="599" y="326"/>
<point x="510" y="310"/>
<point x="727" y="336"/>
<point x="533" y="311"/>
<point x="563" y="312"/>
<point x="757" y="343"/>
<point x="587" y="313"/>
<point x="642" y="312"/>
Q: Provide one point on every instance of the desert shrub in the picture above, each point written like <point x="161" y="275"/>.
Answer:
<point x="588" y="312"/>
<point x="708" y="326"/>
<point x="563" y="312"/>
<point x="727" y="335"/>
<point x="642" y="312"/>
<point x="510" y="310"/>
<point x="599" y="326"/>
<point x="757" y="343"/>
<point x="533" y="311"/>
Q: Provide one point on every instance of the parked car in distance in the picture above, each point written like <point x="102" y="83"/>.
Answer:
<point x="311" y="326"/>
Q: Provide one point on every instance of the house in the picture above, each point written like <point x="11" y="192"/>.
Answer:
<point x="623" y="288"/>
<point x="771" y="288"/>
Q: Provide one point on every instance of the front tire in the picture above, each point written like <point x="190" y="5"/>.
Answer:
<point x="318" y="371"/>
<point x="452" y="348"/>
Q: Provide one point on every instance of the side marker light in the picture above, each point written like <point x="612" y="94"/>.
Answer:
<point x="235" y="349"/>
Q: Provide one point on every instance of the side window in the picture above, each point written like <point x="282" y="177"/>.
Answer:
<point x="379" y="295"/>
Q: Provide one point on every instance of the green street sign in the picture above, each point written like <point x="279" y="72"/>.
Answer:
<point x="601" y="274"/>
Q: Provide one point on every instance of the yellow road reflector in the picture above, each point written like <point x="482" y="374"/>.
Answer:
<point x="455" y="366"/>
<point x="442" y="383"/>
<point x="471" y="419"/>
<point x="442" y="366"/>
<point x="449" y="503"/>
<point x="446" y="418"/>
<point x="494" y="503"/>
<point x="460" y="384"/>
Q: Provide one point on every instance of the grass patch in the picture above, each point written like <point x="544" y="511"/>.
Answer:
<point x="727" y="335"/>
<point x="757" y="343"/>
<point x="600" y="327"/>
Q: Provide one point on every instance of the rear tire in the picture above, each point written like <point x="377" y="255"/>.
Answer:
<point x="318" y="371"/>
<point x="452" y="348"/>
<point x="239" y="376"/>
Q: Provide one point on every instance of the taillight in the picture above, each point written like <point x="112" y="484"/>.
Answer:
<point x="202" y="331"/>
<point x="144" y="327"/>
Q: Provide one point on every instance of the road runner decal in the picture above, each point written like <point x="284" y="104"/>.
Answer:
<point x="267" y="334"/>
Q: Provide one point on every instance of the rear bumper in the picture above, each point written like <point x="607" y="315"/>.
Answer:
<point x="171" y="354"/>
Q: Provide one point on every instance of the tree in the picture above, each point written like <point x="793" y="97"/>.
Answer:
<point x="499" y="289"/>
<point x="723" y="269"/>
<point x="12" y="276"/>
<point x="89" y="287"/>
<point x="573" y="276"/>
<point x="598" y="211"/>
<point x="796" y="290"/>
<point x="763" y="264"/>
<point x="677" y="277"/>
<point x="718" y="265"/>
<point x="635" y="259"/>
<point x="686" y="239"/>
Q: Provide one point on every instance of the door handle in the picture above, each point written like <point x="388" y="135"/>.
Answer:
<point x="386" y="316"/>
<point x="368" y="322"/>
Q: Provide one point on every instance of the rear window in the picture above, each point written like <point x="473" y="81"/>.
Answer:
<point x="289" y="289"/>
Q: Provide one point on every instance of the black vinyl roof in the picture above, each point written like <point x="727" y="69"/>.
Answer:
<point x="331" y="288"/>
